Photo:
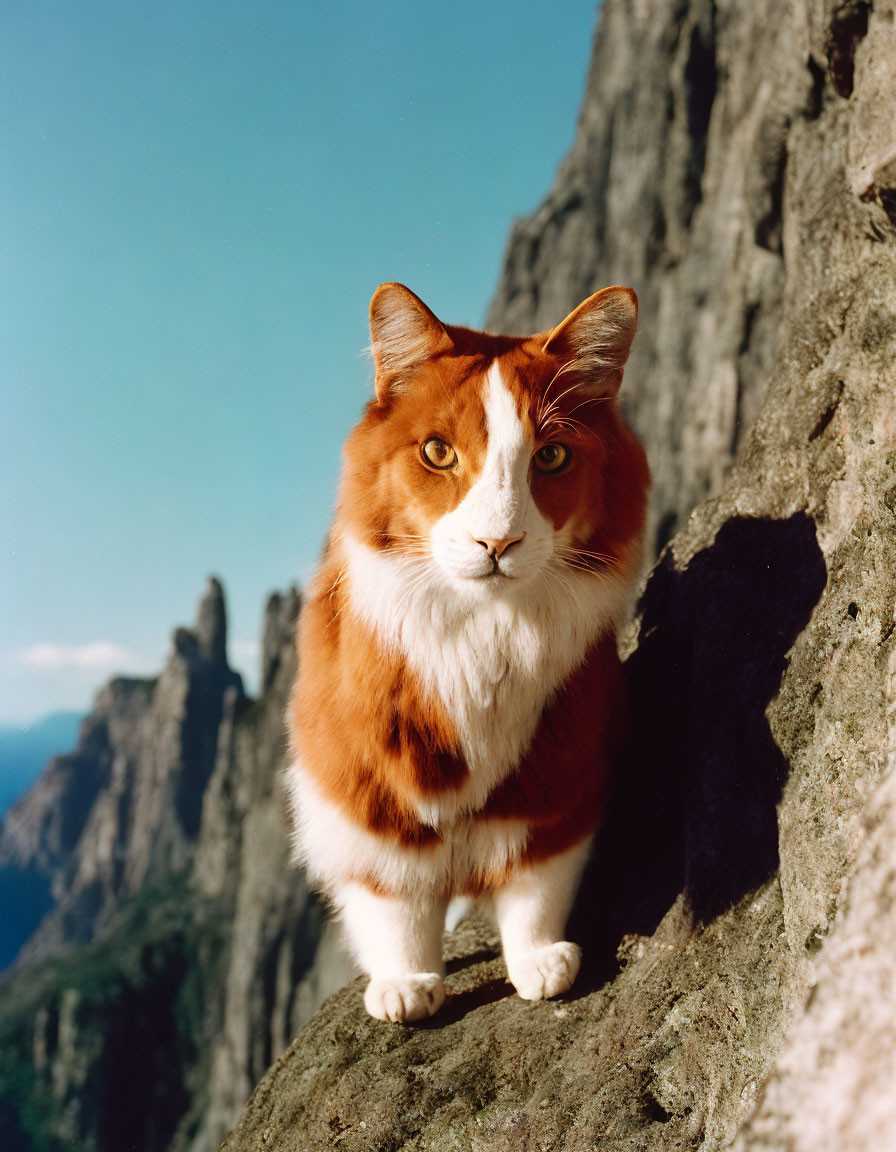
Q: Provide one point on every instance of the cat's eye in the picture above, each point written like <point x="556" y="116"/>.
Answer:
<point x="551" y="458"/>
<point x="438" y="453"/>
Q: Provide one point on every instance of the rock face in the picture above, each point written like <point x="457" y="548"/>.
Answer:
<point x="272" y="981"/>
<point x="738" y="918"/>
<point x="43" y="828"/>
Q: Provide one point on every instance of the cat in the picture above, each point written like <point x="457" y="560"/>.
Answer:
<point x="459" y="691"/>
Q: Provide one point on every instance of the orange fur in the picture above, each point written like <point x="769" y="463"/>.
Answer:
<point x="367" y="736"/>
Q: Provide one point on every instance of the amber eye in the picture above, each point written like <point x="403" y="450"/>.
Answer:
<point x="438" y="454"/>
<point x="551" y="458"/>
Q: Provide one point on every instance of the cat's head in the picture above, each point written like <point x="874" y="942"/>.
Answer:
<point x="491" y="461"/>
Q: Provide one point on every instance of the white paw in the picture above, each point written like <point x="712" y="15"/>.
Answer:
<point x="411" y="997"/>
<point x="547" y="971"/>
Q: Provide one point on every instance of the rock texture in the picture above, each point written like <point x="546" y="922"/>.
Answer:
<point x="832" y="1086"/>
<point x="272" y="981"/>
<point x="738" y="917"/>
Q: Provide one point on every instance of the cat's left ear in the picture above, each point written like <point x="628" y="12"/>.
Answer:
<point x="403" y="333"/>
<point x="596" y="338"/>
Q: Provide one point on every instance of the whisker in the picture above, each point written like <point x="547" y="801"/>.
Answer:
<point x="584" y="556"/>
<point x="586" y="559"/>
<point x="401" y="535"/>
<point x="590" y="400"/>
<point x="544" y="397"/>
<point x="573" y="550"/>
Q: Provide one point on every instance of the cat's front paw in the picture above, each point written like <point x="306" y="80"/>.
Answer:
<point x="546" y="971"/>
<point x="411" y="997"/>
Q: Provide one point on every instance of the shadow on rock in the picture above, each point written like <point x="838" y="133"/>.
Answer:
<point x="461" y="1004"/>
<point x="695" y="804"/>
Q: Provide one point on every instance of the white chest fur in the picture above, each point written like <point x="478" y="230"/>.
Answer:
<point x="494" y="657"/>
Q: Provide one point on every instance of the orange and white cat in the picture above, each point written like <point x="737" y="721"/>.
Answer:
<point x="459" y="690"/>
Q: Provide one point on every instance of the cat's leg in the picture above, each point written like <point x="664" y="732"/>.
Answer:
<point x="531" y="910"/>
<point x="398" y="941"/>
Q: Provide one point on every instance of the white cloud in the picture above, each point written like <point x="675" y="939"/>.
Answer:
<point x="98" y="655"/>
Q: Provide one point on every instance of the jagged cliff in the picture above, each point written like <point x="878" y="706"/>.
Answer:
<point x="735" y="163"/>
<point x="283" y="957"/>
<point x="125" y="806"/>
<point x="178" y="957"/>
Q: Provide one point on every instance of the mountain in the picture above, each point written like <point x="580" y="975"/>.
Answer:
<point x="125" y="805"/>
<point x="180" y="950"/>
<point x="26" y="748"/>
<point x="736" y="164"/>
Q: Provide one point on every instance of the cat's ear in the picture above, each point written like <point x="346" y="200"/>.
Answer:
<point x="403" y="333"/>
<point x="596" y="338"/>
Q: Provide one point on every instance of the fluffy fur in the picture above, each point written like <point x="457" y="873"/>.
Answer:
<point x="458" y="696"/>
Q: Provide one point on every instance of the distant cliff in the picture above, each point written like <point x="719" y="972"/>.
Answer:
<point x="125" y="805"/>
<point x="178" y="956"/>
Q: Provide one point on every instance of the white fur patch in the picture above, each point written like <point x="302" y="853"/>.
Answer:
<point x="533" y="906"/>
<point x="336" y="850"/>
<point x="391" y="935"/>
<point x="531" y="911"/>
<point x="498" y="505"/>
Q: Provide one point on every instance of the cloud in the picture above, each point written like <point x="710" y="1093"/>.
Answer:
<point x="98" y="655"/>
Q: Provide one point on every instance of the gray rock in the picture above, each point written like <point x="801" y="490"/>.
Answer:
<point x="276" y="975"/>
<point x="738" y="917"/>
<point x="42" y="828"/>
<point x="871" y="151"/>
<point x="832" y="1086"/>
<point x="211" y="624"/>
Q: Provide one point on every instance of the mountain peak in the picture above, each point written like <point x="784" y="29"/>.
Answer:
<point x="211" y="623"/>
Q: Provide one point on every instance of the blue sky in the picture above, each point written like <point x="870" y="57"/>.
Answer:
<point x="197" y="201"/>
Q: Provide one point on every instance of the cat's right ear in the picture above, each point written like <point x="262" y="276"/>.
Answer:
<point x="403" y="333"/>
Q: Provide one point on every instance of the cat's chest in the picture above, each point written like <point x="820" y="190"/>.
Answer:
<point x="491" y="665"/>
<point x="492" y="671"/>
<point x="495" y="704"/>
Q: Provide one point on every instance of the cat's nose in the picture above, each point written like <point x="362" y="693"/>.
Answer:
<point x="497" y="548"/>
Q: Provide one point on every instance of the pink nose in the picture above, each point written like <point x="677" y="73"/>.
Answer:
<point x="497" y="548"/>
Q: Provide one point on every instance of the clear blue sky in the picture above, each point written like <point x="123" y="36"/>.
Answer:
<point x="197" y="201"/>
